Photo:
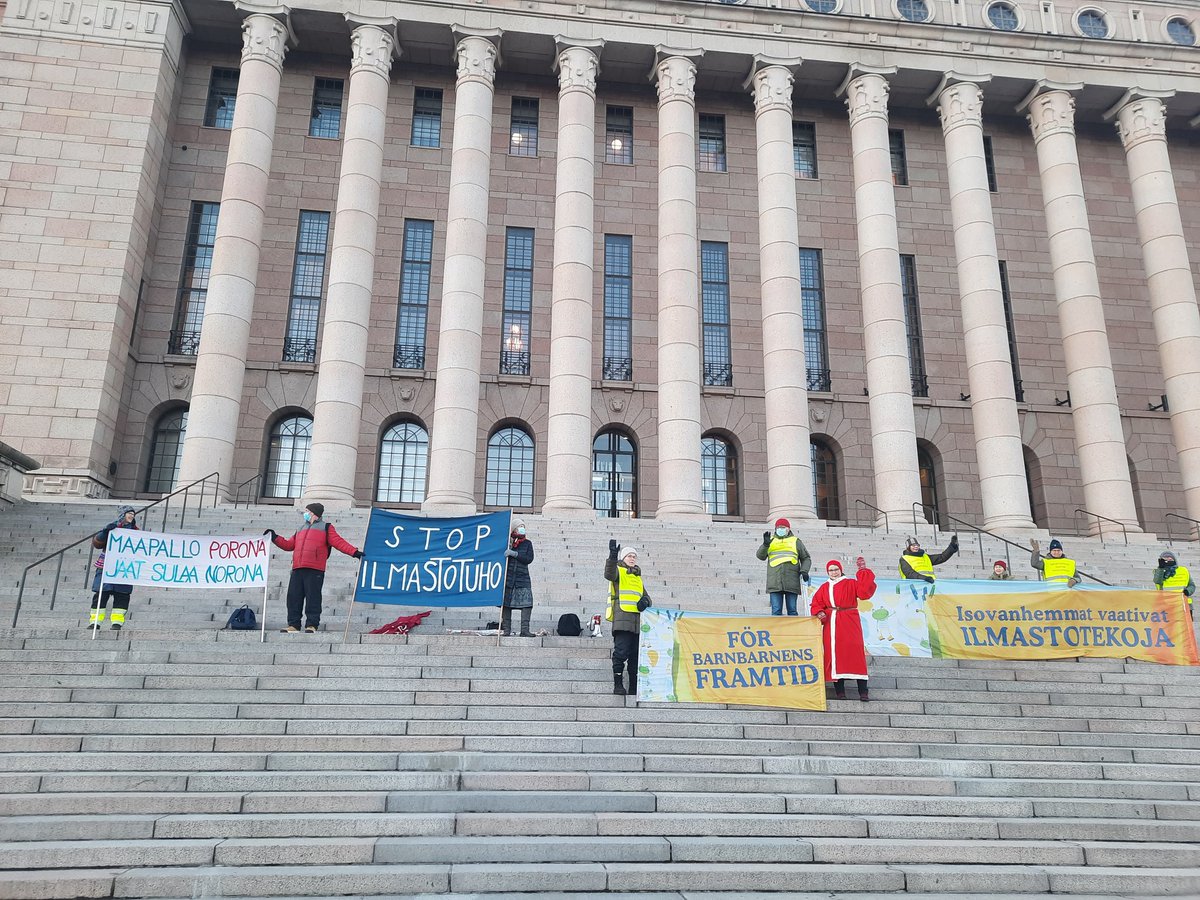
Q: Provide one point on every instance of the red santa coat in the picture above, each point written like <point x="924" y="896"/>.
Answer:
<point x="845" y="655"/>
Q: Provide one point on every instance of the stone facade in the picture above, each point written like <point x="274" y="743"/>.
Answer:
<point x="104" y="152"/>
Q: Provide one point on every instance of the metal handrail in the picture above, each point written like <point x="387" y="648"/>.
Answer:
<point x="886" y="528"/>
<point x="1169" y="516"/>
<point x="1101" y="518"/>
<point x="214" y="477"/>
<point x="237" y="492"/>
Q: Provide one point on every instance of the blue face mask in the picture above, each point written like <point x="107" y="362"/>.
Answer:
<point x="781" y="532"/>
<point x="308" y="517"/>
<point x="521" y="531"/>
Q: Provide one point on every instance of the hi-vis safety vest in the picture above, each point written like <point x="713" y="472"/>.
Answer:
<point x="920" y="564"/>
<point x="783" y="550"/>
<point x="1176" y="582"/>
<point x="1061" y="569"/>
<point x="627" y="591"/>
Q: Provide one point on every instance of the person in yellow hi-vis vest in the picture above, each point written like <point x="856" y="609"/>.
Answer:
<point x="915" y="563"/>
<point x="1055" y="567"/>
<point x="788" y="563"/>
<point x="626" y="600"/>
<point x="1171" y="576"/>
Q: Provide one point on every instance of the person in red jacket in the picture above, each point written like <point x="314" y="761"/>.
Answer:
<point x="835" y="603"/>
<point x="310" y="548"/>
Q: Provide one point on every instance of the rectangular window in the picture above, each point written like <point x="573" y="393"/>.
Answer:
<point x="1010" y="325"/>
<point x="1049" y="18"/>
<point x="415" y="267"/>
<point x="518" y="301"/>
<point x="912" y="324"/>
<point x="308" y="282"/>
<point x="989" y="162"/>
<point x="712" y="144"/>
<point x="427" y="117"/>
<point x="714" y="295"/>
<point x="618" y="307"/>
<point x="222" y="98"/>
<point x="326" y="121"/>
<point x="523" y="134"/>
<point x="804" y="149"/>
<point x="812" y="304"/>
<point x="899" y="157"/>
<point x="618" y="135"/>
<point x="193" y="280"/>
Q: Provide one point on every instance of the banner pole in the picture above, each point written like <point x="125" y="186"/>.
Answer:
<point x="349" y="613"/>
<point x="263" y="637"/>
<point x="353" y="594"/>
<point x="96" y="606"/>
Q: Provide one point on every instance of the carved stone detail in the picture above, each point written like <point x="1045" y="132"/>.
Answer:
<point x="960" y="104"/>
<point x="371" y="49"/>
<point x="1052" y="113"/>
<point x="772" y="89"/>
<point x="476" y="59"/>
<point x="867" y="97"/>
<point x="1141" y="120"/>
<point x="676" y="79"/>
<point x="578" y="68"/>
<point x="265" y="39"/>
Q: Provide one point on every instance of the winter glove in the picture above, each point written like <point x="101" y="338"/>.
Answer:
<point x="613" y="546"/>
<point x="357" y="554"/>
<point x="954" y="542"/>
<point x="644" y="603"/>
<point x="804" y="577"/>
<point x="861" y="562"/>
<point x="928" y="579"/>
<point x="510" y="552"/>
<point x="271" y="532"/>
<point x="766" y="537"/>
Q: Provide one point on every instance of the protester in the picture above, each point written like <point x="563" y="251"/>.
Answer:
<point x="626" y="599"/>
<point x="788" y="563"/>
<point x="835" y="603"/>
<point x="1056" y="567"/>
<point x="518" y="589"/>
<point x="310" y="548"/>
<point x="916" y="563"/>
<point x="1000" y="571"/>
<point x="1171" y="576"/>
<point x="120" y="593"/>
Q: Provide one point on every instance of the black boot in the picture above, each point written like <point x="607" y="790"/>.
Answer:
<point x="863" y="694"/>
<point x="632" y="692"/>
<point x="618" y="685"/>
<point x="839" y="689"/>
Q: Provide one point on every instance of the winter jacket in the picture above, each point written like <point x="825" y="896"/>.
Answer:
<point x="310" y="546"/>
<point x="518" y="588"/>
<point x="785" y="577"/>
<point x="1005" y="576"/>
<point x="100" y="541"/>
<point x="907" y="571"/>
<point x="1161" y="574"/>
<point x="1039" y="563"/>
<point x="622" y="620"/>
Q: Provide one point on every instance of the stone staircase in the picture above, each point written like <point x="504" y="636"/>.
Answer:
<point x="175" y="760"/>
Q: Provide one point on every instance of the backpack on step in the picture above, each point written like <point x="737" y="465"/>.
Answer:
<point x="242" y="619"/>
<point x="568" y="625"/>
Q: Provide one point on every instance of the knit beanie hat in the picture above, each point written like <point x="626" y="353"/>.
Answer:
<point x="782" y="523"/>
<point x="834" y="562"/>
<point x="911" y="542"/>
<point x="627" y="551"/>
<point x="125" y="509"/>
<point x="1001" y="563"/>
<point x="317" y="509"/>
<point x="1056" y="544"/>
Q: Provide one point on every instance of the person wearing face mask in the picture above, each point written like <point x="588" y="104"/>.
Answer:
<point x="518" y="589"/>
<point x="119" y="593"/>
<point x="835" y="603"/>
<point x="788" y="563"/>
<point x="1171" y="576"/>
<point x="310" y="548"/>
<point x="627" y="598"/>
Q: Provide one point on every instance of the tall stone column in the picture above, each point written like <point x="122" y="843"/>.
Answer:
<point x="679" y="494"/>
<point x="569" y="435"/>
<point x="1099" y="438"/>
<point x="998" y="450"/>
<point x="216" y="401"/>
<point x="455" y="433"/>
<point x="885" y="338"/>
<point x="1141" y="122"/>
<point x="337" y="414"/>
<point x="785" y="375"/>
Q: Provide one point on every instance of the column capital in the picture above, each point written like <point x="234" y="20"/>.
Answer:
<point x="577" y="64"/>
<point x="866" y="91"/>
<point x="1050" y="113"/>
<point x="264" y="38"/>
<point x="477" y="53"/>
<point x="770" y="82"/>
<point x="674" y="73"/>
<point x="1140" y="115"/>
<point x="373" y="45"/>
<point x="960" y="104"/>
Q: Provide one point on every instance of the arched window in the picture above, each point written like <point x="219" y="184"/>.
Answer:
<point x="166" y="450"/>
<point x="719" y="476"/>
<point x="825" y="481"/>
<point x="509" y="469"/>
<point x="287" y="457"/>
<point x="930" y="495"/>
<point x="614" y="475"/>
<point x="403" y="461"/>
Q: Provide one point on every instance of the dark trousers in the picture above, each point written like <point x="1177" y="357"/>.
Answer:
<point x="506" y="618"/>
<point x="119" y="600"/>
<point x="625" y="654"/>
<point x="304" y="596"/>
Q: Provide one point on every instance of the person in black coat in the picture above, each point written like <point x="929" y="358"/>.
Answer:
<point x="518" y="588"/>
<point x="120" y="594"/>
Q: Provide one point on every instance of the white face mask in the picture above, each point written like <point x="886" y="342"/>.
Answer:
<point x="781" y="532"/>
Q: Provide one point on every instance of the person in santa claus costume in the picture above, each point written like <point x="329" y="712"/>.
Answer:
<point x="835" y="603"/>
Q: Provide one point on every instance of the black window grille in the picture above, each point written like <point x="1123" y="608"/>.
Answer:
<point x="308" y="282"/>
<point x="804" y="149"/>
<point x="899" y="157"/>
<point x="712" y="144"/>
<point x="618" y="307"/>
<point x="222" y="98"/>
<point x="912" y="324"/>
<point x="523" y="133"/>
<point x="618" y="135"/>
<point x="326" y="121"/>
<point x="193" y="279"/>
<point x="812" y="303"/>
<point x="411" y="319"/>
<point x="427" y="117"/>
<point x="509" y="469"/>
<point x="518" y="301"/>
<point x="714" y="293"/>
<point x="403" y="462"/>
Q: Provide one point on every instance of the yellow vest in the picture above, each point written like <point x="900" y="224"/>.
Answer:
<point x="1178" y="581"/>
<point x="1060" y="570"/>
<point x="628" y="590"/>
<point x="783" y="550"/>
<point x="920" y="564"/>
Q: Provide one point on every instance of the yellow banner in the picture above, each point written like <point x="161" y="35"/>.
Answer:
<point x="1149" y="625"/>
<point x="756" y="661"/>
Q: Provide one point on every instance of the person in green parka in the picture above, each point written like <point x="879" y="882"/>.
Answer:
<point x="788" y="563"/>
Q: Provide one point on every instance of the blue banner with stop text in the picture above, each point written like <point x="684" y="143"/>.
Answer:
<point x="419" y="561"/>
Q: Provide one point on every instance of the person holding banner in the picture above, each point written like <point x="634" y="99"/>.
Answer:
<point x="915" y="563"/>
<point x="518" y="588"/>
<point x="1171" y="576"/>
<point x="787" y="566"/>
<point x="627" y="598"/>
<point x="120" y="593"/>
<point x="1056" y="567"/>
<point x="310" y="548"/>
<point x="835" y="603"/>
